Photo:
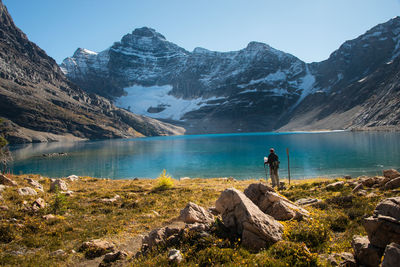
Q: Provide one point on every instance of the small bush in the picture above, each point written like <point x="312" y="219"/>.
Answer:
<point x="314" y="232"/>
<point x="293" y="254"/>
<point x="7" y="233"/>
<point x="164" y="181"/>
<point x="59" y="205"/>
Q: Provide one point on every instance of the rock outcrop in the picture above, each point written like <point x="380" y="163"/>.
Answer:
<point x="391" y="256"/>
<point x="193" y="213"/>
<point x="239" y="214"/>
<point x="365" y="253"/>
<point x="274" y="204"/>
<point x="384" y="226"/>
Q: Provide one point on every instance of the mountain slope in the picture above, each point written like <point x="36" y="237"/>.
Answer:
<point x="257" y="88"/>
<point x="40" y="104"/>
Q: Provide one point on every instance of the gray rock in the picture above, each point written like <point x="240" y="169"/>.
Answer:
<point x="391" y="173"/>
<point x="307" y="201"/>
<point x="115" y="256"/>
<point x="159" y="236"/>
<point x="184" y="178"/>
<point x="384" y="226"/>
<point x="243" y="217"/>
<point x="58" y="184"/>
<point x="391" y="256"/>
<point x="274" y="204"/>
<point x="365" y="253"/>
<point x="392" y="184"/>
<point x="35" y="183"/>
<point x="193" y="213"/>
<point x="96" y="248"/>
<point x="335" y="186"/>
<point x="175" y="256"/>
<point x="49" y="217"/>
<point x="26" y="191"/>
<point x="38" y="204"/>
<point x="4" y="207"/>
<point x="7" y="181"/>
<point x="358" y="188"/>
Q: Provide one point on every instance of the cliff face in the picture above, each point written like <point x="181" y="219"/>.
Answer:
<point x="40" y="104"/>
<point x="257" y="88"/>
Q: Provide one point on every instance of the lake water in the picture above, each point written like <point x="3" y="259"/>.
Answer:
<point x="240" y="156"/>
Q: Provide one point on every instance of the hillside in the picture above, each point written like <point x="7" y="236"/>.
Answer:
<point x="40" y="104"/>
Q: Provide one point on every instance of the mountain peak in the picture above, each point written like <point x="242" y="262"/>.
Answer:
<point x="83" y="51"/>
<point x="147" y="32"/>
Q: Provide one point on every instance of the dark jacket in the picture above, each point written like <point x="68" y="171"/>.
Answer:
<point x="272" y="157"/>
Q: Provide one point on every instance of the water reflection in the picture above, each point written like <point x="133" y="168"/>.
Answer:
<point x="236" y="155"/>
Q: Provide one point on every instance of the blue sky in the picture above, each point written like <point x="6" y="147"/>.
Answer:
<point x="308" y="29"/>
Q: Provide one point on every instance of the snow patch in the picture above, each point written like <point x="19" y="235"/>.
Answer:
<point x="273" y="77"/>
<point x="141" y="100"/>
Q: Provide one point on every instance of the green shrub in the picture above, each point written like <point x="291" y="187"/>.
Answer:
<point x="293" y="254"/>
<point x="314" y="232"/>
<point x="164" y="181"/>
<point x="59" y="205"/>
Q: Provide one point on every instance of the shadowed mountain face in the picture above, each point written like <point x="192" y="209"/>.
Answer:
<point x="40" y="104"/>
<point x="257" y="88"/>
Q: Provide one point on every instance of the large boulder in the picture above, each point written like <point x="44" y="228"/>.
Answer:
<point x="58" y="184"/>
<point x="274" y="204"/>
<point x="391" y="257"/>
<point x="38" y="204"/>
<point x="391" y="173"/>
<point x="365" y="253"/>
<point x="193" y="213"/>
<point x="392" y="184"/>
<point x="244" y="218"/>
<point x="7" y="181"/>
<point x="384" y="226"/>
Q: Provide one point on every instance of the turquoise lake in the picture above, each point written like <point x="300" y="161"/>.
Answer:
<point x="329" y="154"/>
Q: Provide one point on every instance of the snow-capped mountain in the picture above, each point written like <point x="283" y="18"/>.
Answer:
<point x="257" y="88"/>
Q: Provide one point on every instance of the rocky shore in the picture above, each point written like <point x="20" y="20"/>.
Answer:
<point x="85" y="221"/>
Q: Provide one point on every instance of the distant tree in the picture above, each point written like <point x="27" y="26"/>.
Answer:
<point x="5" y="154"/>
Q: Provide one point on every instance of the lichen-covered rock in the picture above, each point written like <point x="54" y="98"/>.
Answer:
<point x="244" y="218"/>
<point x="358" y="188"/>
<point x="72" y="178"/>
<point x="35" y="184"/>
<point x="365" y="253"/>
<point x="114" y="256"/>
<point x="26" y="191"/>
<point x="96" y="248"/>
<point x="391" y="173"/>
<point x="159" y="236"/>
<point x="392" y="184"/>
<point x="193" y="213"/>
<point x="58" y="184"/>
<point x="110" y="200"/>
<point x="391" y="256"/>
<point x="38" y="204"/>
<point x="307" y="201"/>
<point x="384" y="226"/>
<point x="274" y="204"/>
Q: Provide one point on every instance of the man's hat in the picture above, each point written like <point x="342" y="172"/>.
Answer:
<point x="271" y="150"/>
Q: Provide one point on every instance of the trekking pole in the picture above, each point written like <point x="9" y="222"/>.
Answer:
<point x="288" y="163"/>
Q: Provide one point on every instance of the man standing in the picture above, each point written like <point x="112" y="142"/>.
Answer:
<point x="273" y="162"/>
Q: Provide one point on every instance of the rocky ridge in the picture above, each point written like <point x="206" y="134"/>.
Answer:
<point x="257" y="88"/>
<point x="40" y="104"/>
